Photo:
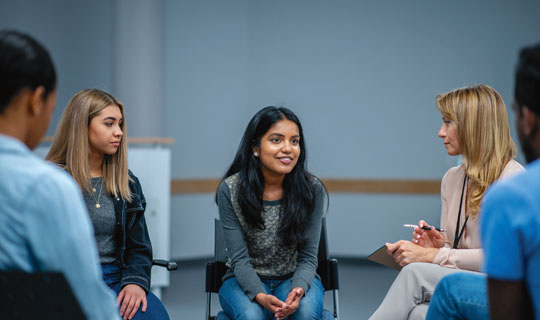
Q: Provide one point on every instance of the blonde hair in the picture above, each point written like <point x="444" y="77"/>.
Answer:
<point x="71" y="149"/>
<point x="479" y="115"/>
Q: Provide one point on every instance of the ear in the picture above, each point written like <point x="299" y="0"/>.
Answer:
<point x="528" y="121"/>
<point x="37" y="102"/>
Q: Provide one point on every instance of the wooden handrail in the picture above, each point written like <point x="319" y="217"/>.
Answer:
<point x="383" y="186"/>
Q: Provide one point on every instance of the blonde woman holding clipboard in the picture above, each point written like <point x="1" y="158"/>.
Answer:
<point x="475" y="126"/>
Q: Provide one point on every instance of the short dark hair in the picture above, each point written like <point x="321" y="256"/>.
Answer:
<point x="24" y="63"/>
<point x="527" y="87"/>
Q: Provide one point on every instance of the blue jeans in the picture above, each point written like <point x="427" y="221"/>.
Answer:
<point x="237" y="305"/>
<point x="460" y="296"/>
<point x="155" y="309"/>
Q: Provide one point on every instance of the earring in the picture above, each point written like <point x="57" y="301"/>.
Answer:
<point x="255" y="154"/>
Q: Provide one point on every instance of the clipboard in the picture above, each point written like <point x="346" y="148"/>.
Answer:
<point x="380" y="256"/>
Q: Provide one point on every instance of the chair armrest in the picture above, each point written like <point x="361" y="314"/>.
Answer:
<point x="170" y="265"/>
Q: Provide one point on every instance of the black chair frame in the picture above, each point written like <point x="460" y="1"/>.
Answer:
<point x="170" y="265"/>
<point x="327" y="269"/>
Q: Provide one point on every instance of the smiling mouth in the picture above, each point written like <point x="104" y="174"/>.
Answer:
<point x="285" y="160"/>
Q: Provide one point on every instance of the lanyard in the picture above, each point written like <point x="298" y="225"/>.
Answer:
<point x="459" y="234"/>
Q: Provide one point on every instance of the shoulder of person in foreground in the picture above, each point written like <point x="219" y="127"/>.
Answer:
<point x="61" y="237"/>
<point x="507" y="223"/>
<point x="508" y="228"/>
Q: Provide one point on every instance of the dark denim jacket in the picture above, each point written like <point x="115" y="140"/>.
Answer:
<point x="134" y="254"/>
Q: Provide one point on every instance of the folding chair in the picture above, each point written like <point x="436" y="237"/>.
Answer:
<point x="327" y="269"/>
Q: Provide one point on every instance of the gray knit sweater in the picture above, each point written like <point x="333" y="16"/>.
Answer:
<point x="255" y="254"/>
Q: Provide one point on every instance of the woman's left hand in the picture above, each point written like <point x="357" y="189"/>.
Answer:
<point x="405" y="252"/>
<point x="292" y="302"/>
<point x="131" y="297"/>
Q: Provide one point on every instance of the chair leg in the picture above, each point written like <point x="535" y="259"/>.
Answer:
<point x="336" y="304"/>
<point x="208" y="304"/>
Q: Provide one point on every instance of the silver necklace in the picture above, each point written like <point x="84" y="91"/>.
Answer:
<point x="99" y="194"/>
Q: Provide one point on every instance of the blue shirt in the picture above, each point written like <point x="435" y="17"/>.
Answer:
<point x="510" y="231"/>
<point x="44" y="226"/>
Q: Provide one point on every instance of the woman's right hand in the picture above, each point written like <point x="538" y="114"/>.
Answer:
<point x="427" y="238"/>
<point x="270" y="302"/>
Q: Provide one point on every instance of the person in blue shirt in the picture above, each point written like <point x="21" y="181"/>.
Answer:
<point x="44" y="225"/>
<point x="509" y="227"/>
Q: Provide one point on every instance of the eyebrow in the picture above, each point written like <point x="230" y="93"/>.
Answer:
<point x="281" y="135"/>
<point x="112" y="118"/>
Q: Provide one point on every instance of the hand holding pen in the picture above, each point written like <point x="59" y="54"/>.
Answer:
<point x="424" y="227"/>
<point x="426" y="235"/>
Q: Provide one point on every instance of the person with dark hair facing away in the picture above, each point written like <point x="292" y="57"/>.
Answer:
<point x="44" y="225"/>
<point x="91" y="144"/>
<point x="271" y="210"/>
<point x="509" y="226"/>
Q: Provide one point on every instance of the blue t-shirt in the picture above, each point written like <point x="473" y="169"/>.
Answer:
<point x="510" y="231"/>
<point x="44" y="226"/>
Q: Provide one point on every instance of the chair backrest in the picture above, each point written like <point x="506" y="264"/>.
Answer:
<point x="324" y="267"/>
<point x="220" y="249"/>
<point x="43" y="295"/>
<point x="324" y="270"/>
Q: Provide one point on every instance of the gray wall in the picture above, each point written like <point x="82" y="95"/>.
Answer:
<point x="361" y="75"/>
<point x="78" y="35"/>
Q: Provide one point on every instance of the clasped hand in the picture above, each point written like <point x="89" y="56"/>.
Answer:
<point x="423" y="248"/>
<point x="280" y="309"/>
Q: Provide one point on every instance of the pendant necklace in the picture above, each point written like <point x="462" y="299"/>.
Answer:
<point x="99" y="194"/>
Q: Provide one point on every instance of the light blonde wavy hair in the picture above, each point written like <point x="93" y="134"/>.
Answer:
<point x="479" y="115"/>
<point x="70" y="148"/>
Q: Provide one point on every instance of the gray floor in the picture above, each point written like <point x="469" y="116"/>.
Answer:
<point x="362" y="287"/>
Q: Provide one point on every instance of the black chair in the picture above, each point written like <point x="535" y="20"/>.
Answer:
<point x="44" y="295"/>
<point x="327" y="269"/>
<point x="41" y="295"/>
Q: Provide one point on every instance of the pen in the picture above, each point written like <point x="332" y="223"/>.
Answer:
<point x="424" y="227"/>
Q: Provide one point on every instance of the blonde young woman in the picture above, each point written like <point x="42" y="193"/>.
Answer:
<point x="475" y="126"/>
<point x="90" y="144"/>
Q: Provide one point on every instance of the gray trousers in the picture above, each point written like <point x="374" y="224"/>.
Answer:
<point x="409" y="295"/>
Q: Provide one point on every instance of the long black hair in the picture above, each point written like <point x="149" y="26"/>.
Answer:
<point x="24" y="63"/>
<point x="298" y="202"/>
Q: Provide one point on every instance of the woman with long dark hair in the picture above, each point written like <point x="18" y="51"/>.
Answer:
<point x="271" y="210"/>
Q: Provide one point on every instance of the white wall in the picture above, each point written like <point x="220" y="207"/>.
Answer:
<point x="361" y="75"/>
